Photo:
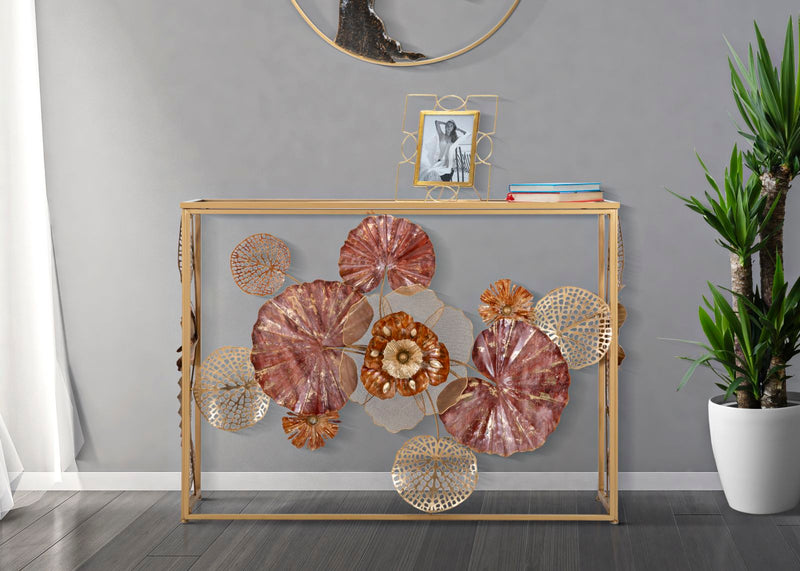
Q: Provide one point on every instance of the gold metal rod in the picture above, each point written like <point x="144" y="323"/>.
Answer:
<point x="291" y="277"/>
<point x="601" y="366"/>
<point x="346" y="350"/>
<point x="393" y="206"/>
<point x="198" y="424"/>
<point x="404" y="212"/>
<point x="186" y="337"/>
<point x="401" y="517"/>
<point x="602" y="497"/>
<point x="613" y="357"/>
<point x="435" y="414"/>
<point x="467" y="365"/>
<point x="380" y="295"/>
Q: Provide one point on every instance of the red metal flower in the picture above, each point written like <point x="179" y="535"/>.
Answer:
<point x="518" y="410"/>
<point x="385" y="245"/>
<point x="404" y="356"/>
<point x="298" y="341"/>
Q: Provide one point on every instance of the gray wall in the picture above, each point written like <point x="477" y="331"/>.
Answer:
<point x="150" y="103"/>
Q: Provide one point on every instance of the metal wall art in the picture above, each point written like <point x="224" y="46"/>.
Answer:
<point x="300" y="345"/>
<point x="310" y="430"/>
<point x="227" y="392"/>
<point x="520" y="404"/>
<point x="434" y="474"/>
<point x="504" y="300"/>
<point x="578" y="321"/>
<point x="447" y="147"/>
<point x="453" y="329"/>
<point x="385" y="247"/>
<point x="259" y="264"/>
<point x="402" y="354"/>
<point x="362" y="34"/>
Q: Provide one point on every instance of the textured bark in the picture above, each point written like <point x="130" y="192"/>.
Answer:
<point x="362" y="32"/>
<point x="741" y="277"/>
<point x="742" y="283"/>
<point x="774" y="185"/>
<point x="774" y="395"/>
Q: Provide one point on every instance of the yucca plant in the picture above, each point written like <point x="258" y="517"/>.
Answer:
<point x="768" y="100"/>
<point x="751" y="341"/>
<point x="738" y="213"/>
<point x="726" y="328"/>
<point x="780" y="331"/>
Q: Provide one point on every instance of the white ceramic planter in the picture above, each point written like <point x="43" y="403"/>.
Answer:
<point x="757" y="454"/>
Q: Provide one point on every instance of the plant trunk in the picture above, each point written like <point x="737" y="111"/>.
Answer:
<point x="742" y="284"/>
<point x="774" y="394"/>
<point x="775" y="186"/>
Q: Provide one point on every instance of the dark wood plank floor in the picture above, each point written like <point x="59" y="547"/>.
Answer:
<point x="141" y="531"/>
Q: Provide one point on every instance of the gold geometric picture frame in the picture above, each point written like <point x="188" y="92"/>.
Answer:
<point x="483" y="147"/>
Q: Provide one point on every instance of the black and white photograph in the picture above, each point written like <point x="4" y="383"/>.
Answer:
<point x="446" y="148"/>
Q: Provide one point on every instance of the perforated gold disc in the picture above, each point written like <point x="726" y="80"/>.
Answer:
<point x="259" y="264"/>
<point x="227" y="392"/>
<point x="578" y="321"/>
<point x="434" y="474"/>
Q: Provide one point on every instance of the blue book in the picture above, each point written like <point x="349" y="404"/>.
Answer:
<point x="555" y="187"/>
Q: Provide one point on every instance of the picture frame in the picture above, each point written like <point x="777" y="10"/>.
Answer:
<point x="446" y="148"/>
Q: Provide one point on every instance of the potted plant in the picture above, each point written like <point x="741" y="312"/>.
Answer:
<point x="751" y="340"/>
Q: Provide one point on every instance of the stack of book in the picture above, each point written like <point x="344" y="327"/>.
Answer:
<point x="555" y="192"/>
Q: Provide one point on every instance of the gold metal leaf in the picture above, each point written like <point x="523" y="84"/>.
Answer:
<point x="578" y="321"/>
<point x="434" y="474"/>
<point x="227" y="392"/>
<point x="259" y="264"/>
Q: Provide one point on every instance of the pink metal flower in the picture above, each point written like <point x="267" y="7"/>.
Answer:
<point x="297" y="345"/>
<point x="385" y="245"/>
<point x="521" y="403"/>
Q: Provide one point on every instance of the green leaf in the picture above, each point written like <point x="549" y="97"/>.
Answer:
<point x="696" y="363"/>
<point x="732" y="387"/>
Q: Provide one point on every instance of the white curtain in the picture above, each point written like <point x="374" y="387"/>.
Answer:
<point x="36" y="400"/>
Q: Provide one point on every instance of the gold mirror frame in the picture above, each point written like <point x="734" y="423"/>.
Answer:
<point x="437" y="59"/>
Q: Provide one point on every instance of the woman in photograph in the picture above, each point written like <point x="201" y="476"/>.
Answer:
<point x="441" y="169"/>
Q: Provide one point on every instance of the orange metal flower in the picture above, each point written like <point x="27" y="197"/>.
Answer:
<point x="310" y="429"/>
<point x="403" y="356"/>
<point x="504" y="300"/>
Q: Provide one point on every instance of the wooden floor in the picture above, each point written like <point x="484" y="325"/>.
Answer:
<point x="140" y="530"/>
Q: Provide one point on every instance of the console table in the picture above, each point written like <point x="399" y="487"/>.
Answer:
<point x="608" y="285"/>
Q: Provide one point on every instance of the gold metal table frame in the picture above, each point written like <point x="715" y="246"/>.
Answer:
<point x="607" y="214"/>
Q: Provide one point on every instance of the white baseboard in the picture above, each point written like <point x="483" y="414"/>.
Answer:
<point x="357" y="481"/>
